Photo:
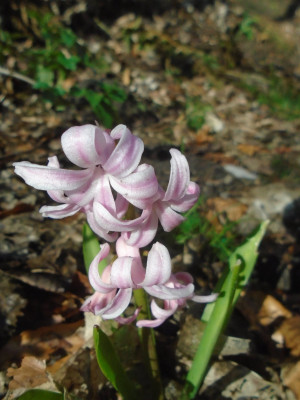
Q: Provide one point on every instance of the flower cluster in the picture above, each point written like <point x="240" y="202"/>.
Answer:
<point x="110" y="179"/>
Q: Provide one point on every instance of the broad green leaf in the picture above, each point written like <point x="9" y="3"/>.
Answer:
<point x="38" y="394"/>
<point x="217" y="314"/>
<point x="111" y="366"/>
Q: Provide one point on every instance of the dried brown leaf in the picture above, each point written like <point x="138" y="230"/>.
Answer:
<point x="292" y="379"/>
<point x="31" y="374"/>
<point x="234" y="209"/>
<point x="289" y="334"/>
<point x="250" y="149"/>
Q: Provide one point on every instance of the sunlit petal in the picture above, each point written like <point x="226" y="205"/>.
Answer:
<point x="51" y="178"/>
<point x="167" y="293"/>
<point x="127" y="154"/>
<point x="158" y="268"/>
<point x="61" y="211"/>
<point x="87" y="145"/>
<point x="168" y="218"/>
<point x="179" y="176"/>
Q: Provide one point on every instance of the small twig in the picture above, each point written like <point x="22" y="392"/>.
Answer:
<point x="17" y="75"/>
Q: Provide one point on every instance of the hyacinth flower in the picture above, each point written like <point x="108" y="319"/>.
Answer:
<point x="113" y="289"/>
<point x="107" y="161"/>
<point x="180" y="196"/>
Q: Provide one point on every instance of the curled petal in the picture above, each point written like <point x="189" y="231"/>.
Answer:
<point x="128" y="320"/>
<point x="101" y="284"/>
<point x="138" y="186"/>
<point x="87" y="145"/>
<point x="188" y="200"/>
<point x="61" y="211"/>
<point x="127" y="154"/>
<point x="144" y="235"/>
<point x="109" y="237"/>
<point x="118" y="305"/>
<point x="103" y="194"/>
<point x="158" y="269"/>
<point x="205" y="299"/>
<point x="125" y="272"/>
<point x="97" y="302"/>
<point x="159" y="313"/>
<point x="51" y="178"/>
<point x="167" y="293"/>
<point x="110" y="222"/>
<point x="169" y="218"/>
<point x="179" y="176"/>
<point x="121" y="206"/>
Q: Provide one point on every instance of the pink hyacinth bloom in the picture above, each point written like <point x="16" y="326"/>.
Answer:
<point x="107" y="161"/>
<point x="180" y="196"/>
<point x="177" y="280"/>
<point x="113" y="289"/>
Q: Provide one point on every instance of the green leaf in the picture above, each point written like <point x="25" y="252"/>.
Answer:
<point x="69" y="63"/>
<point x="111" y="366"/>
<point x="44" y="76"/>
<point x="90" y="248"/>
<point x="68" y="37"/>
<point x="233" y="280"/>
<point x="38" y="394"/>
<point x="246" y="254"/>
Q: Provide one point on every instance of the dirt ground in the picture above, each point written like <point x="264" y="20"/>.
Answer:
<point x="217" y="79"/>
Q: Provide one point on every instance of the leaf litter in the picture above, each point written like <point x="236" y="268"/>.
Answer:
<point x="200" y="78"/>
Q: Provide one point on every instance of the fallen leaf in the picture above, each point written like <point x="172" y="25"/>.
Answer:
<point x="291" y="379"/>
<point x="31" y="374"/>
<point x="270" y="310"/>
<point x="289" y="334"/>
<point x="234" y="209"/>
<point x="203" y="136"/>
<point x="250" y="149"/>
<point x="219" y="158"/>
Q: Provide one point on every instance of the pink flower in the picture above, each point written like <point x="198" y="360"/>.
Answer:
<point x="180" y="196"/>
<point x="113" y="289"/>
<point x="109" y="161"/>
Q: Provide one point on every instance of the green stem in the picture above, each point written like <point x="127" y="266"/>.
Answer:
<point x="147" y="338"/>
<point x="213" y="329"/>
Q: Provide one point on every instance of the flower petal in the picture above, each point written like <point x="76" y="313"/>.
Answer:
<point x="138" y="187"/>
<point x="110" y="222"/>
<point x="97" y="302"/>
<point x="118" y="304"/>
<point x="124" y="270"/>
<point x="144" y="235"/>
<point x="87" y="145"/>
<point x="128" y="320"/>
<point x="121" y="206"/>
<point x="159" y="313"/>
<point x="51" y="178"/>
<point x="103" y="233"/>
<point x="61" y="211"/>
<point x="205" y="299"/>
<point x="167" y="293"/>
<point x="179" y="176"/>
<point x="101" y="284"/>
<point x="125" y="250"/>
<point x="169" y="218"/>
<point x="158" y="270"/>
<point x="127" y="154"/>
<point x="103" y="194"/>
<point x="188" y="200"/>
